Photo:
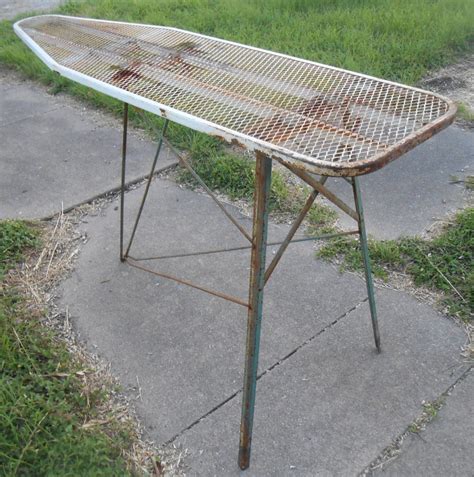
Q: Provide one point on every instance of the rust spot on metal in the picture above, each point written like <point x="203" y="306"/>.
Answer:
<point x="233" y="141"/>
<point x="221" y="138"/>
<point x="274" y="129"/>
<point x="124" y="74"/>
<point x="316" y="113"/>
<point x="237" y="143"/>
<point x="352" y="123"/>
<point x="175" y="62"/>
<point x="316" y="107"/>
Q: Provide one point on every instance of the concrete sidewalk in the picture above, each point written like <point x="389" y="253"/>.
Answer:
<point x="10" y="9"/>
<point x="57" y="153"/>
<point x="327" y="404"/>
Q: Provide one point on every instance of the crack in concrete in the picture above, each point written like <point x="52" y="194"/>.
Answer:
<point x="31" y="116"/>
<point x="310" y="339"/>
<point x="112" y="193"/>
<point x="266" y="371"/>
<point x="394" y="450"/>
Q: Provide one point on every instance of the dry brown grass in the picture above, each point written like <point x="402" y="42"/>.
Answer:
<point x="37" y="280"/>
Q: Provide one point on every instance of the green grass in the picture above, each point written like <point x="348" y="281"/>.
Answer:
<point x="15" y="236"/>
<point x="43" y="404"/>
<point x="395" y="39"/>
<point x="235" y="176"/>
<point x="445" y="263"/>
<point x="465" y="112"/>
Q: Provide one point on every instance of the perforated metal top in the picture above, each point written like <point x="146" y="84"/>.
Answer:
<point x="320" y="118"/>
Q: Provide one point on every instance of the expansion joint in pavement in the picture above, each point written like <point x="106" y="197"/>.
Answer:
<point x="310" y="339"/>
<point x="31" y="116"/>
<point x="267" y="370"/>
<point x="395" y="449"/>
<point x="113" y="191"/>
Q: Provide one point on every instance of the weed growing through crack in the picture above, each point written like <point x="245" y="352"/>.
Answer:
<point x="468" y="181"/>
<point x="429" y="412"/>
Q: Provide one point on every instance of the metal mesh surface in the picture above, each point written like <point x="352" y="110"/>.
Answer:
<point x="326" y="116"/>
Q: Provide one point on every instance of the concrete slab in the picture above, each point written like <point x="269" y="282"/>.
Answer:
<point x="408" y="195"/>
<point x="56" y="152"/>
<point x="335" y="404"/>
<point x="10" y="9"/>
<point x="24" y="100"/>
<point x="185" y="347"/>
<point x="445" y="448"/>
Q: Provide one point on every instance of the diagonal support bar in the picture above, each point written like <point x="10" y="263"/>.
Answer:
<point x="188" y="283"/>
<point x="243" y="247"/>
<point x="213" y="197"/>
<point x="315" y="184"/>
<point x="185" y="162"/>
<point x="147" y="188"/>
<point x="291" y="233"/>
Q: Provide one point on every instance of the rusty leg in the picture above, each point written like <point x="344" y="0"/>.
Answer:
<point x="122" y="185"/>
<point x="257" y="274"/>
<point x="366" y="258"/>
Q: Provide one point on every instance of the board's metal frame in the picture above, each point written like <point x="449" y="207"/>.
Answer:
<point x="259" y="273"/>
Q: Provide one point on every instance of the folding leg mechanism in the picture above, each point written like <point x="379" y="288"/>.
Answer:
<point x="259" y="275"/>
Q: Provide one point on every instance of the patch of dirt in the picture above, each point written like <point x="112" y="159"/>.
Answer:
<point x="456" y="82"/>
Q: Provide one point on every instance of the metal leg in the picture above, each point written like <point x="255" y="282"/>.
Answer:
<point x="122" y="188"/>
<point x="366" y="258"/>
<point x="147" y="188"/>
<point x="257" y="274"/>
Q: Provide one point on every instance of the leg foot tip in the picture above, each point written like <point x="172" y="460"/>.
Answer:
<point x="244" y="458"/>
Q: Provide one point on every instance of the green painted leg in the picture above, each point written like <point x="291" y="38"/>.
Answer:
<point x="366" y="258"/>
<point x="257" y="277"/>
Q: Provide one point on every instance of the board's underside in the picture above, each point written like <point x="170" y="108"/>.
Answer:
<point x="319" y="118"/>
